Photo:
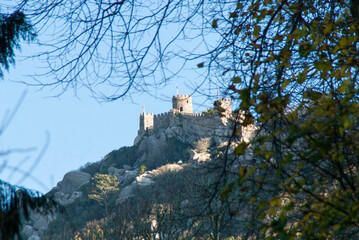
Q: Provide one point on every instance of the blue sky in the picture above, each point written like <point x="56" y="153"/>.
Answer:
<point x="80" y="129"/>
<point x="74" y="128"/>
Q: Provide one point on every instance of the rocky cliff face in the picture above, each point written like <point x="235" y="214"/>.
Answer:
<point x="173" y="158"/>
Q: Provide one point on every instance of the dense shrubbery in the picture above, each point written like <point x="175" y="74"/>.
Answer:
<point x="116" y="158"/>
<point x="176" y="150"/>
<point x="209" y="111"/>
<point x="180" y="204"/>
<point x="120" y="157"/>
<point x="91" y="168"/>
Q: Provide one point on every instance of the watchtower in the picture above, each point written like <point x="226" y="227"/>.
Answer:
<point x="182" y="103"/>
<point x="146" y="122"/>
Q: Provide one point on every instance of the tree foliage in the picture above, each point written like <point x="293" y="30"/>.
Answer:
<point x="297" y="77"/>
<point x="14" y="27"/>
<point x="15" y="202"/>
<point x="15" y="207"/>
<point x="92" y="231"/>
<point x="102" y="185"/>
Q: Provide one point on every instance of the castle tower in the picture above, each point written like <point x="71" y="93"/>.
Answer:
<point x="182" y="103"/>
<point x="146" y="122"/>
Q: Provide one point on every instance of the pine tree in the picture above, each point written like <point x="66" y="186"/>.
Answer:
<point x="14" y="27"/>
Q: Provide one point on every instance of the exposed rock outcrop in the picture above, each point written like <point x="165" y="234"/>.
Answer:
<point x="151" y="149"/>
<point x="36" y="225"/>
<point x="66" y="198"/>
<point x="199" y="157"/>
<point x="145" y="180"/>
<point x="191" y="140"/>
<point x="72" y="181"/>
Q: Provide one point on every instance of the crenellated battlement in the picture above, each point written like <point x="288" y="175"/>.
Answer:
<point x="163" y="114"/>
<point x="224" y="99"/>
<point x="182" y="114"/>
<point x="147" y="114"/>
<point x="182" y="96"/>
<point x="182" y="103"/>
<point x="182" y="123"/>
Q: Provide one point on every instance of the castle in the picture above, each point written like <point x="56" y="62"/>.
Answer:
<point x="181" y="121"/>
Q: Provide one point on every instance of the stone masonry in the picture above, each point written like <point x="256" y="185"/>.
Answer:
<point x="181" y="116"/>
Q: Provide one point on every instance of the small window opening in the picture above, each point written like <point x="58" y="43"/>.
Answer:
<point x="181" y="109"/>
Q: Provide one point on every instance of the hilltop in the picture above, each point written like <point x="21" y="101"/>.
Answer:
<point x="164" y="179"/>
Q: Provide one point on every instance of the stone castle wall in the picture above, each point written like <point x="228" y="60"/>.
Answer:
<point x="190" y="127"/>
<point x="196" y="124"/>
<point x="153" y="122"/>
<point x="163" y="120"/>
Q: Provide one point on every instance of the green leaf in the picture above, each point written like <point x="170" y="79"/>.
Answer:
<point x="266" y="2"/>
<point x="236" y="80"/>
<point x="269" y="154"/>
<point x="337" y="227"/>
<point x="226" y="191"/>
<point x="233" y="15"/>
<point x="285" y="83"/>
<point x="262" y="204"/>
<point x="303" y="75"/>
<point x="304" y="50"/>
<point x="256" y="31"/>
<point x="242" y="171"/>
<point x="343" y="42"/>
<point x="248" y="120"/>
<point x="344" y="86"/>
<point x="245" y="96"/>
<point x="240" y="149"/>
<point x="275" y="201"/>
<point x="289" y="206"/>
<point x="313" y="95"/>
<point x="328" y="28"/>
<point x="323" y="66"/>
<point x="286" y="54"/>
<point x="214" y="23"/>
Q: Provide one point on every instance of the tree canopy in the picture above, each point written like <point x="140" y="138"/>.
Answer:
<point x="296" y="78"/>
<point x="134" y="46"/>
<point x="16" y="203"/>
<point x="14" y="27"/>
<point x="102" y="185"/>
